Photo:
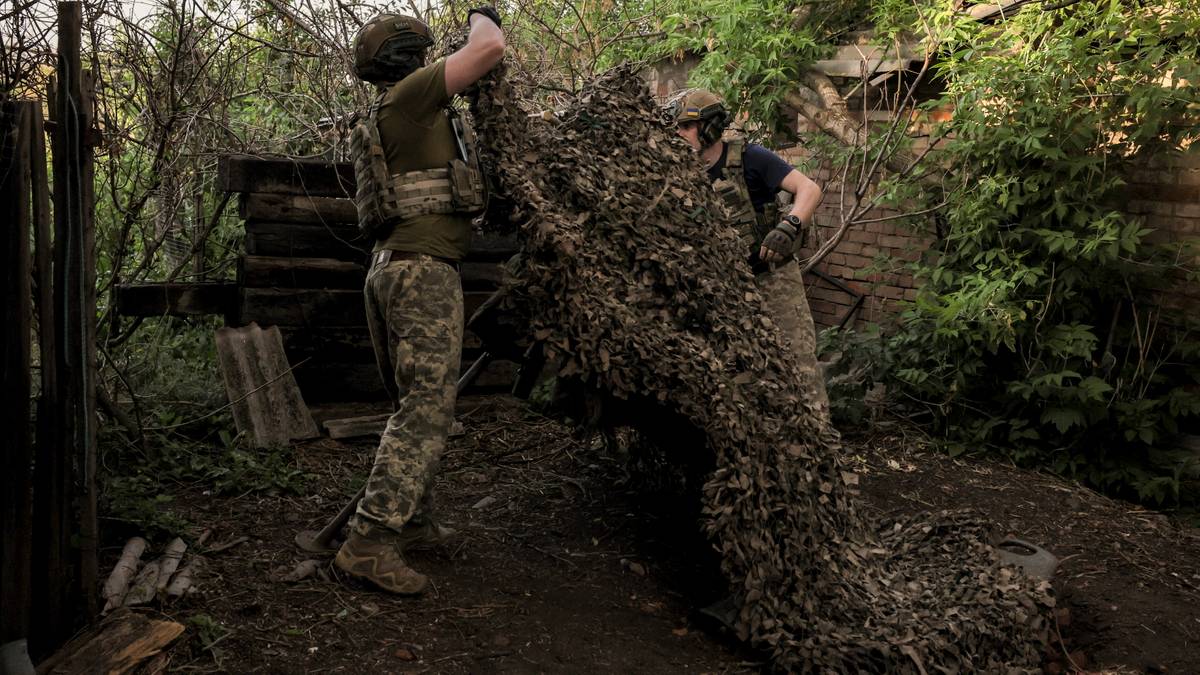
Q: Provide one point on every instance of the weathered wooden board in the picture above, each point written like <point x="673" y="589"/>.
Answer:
<point x="489" y="247"/>
<point x="306" y="241"/>
<point x="353" y="427"/>
<point x="343" y="242"/>
<point x="318" y="307"/>
<point x="302" y="307"/>
<point x="480" y="275"/>
<point x="281" y="272"/>
<point x="256" y="271"/>
<point x="336" y="344"/>
<point x="177" y="299"/>
<point x="297" y="209"/>
<point x="326" y="382"/>
<point x="267" y="404"/>
<point x="283" y="175"/>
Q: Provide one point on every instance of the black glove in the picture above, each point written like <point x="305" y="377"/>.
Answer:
<point x="488" y="11"/>
<point x="781" y="239"/>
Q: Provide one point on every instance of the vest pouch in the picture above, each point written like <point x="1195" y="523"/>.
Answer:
<point x="741" y="213"/>
<point x="373" y="185"/>
<point x="467" y="192"/>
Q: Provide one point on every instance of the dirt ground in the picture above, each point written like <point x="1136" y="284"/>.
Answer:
<point x="568" y="562"/>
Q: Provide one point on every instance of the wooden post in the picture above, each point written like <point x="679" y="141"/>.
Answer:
<point x="75" y="288"/>
<point x="16" y="480"/>
<point x="53" y="571"/>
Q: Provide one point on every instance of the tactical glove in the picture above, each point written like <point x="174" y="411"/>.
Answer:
<point x="781" y="239"/>
<point x="488" y="11"/>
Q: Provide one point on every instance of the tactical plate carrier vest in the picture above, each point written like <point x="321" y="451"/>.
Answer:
<point x="751" y="225"/>
<point x="382" y="198"/>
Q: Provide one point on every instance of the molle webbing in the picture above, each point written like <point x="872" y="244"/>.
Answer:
<point x="731" y="186"/>
<point x="419" y="192"/>
<point x="382" y="198"/>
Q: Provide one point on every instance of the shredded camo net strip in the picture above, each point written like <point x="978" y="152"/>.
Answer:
<point x="631" y="279"/>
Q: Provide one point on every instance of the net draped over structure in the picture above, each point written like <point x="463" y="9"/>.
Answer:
<point x="632" y="279"/>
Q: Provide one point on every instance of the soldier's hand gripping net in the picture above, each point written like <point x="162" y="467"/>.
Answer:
<point x="778" y="243"/>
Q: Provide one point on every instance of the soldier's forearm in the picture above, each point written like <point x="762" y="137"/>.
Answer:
<point x="806" y="195"/>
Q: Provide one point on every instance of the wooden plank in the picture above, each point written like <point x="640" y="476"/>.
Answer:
<point x="327" y="382"/>
<point x="302" y="307"/>
<point x="256" y="271"/>
<point x="177" y="299"/>
<point x="329" y="231"/>
<point x="52" y="565"/>
<point x="325" y="344"/>
<point x="74" y="287"/>
<point x="269" y="271"/>
<point x="317" y="306"/>
<point x="267" y="404"/>
<point x="353" y="427"/>
<point x="859" y="67"/>
<point x="297" y="209"/>
<point x="285" y="175"/>
<point x="118" y="645"/>
<point x="305" y="241"/>
<point x="16" y="508"/>
<point x="344" y="242"/>
<point x="481" y="275"/>
<point x="489" y="247"/>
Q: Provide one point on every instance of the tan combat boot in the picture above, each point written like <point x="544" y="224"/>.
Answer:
<point x="379" y="561"/>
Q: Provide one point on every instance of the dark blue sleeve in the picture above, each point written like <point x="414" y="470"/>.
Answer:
<point x="765" y="172"/>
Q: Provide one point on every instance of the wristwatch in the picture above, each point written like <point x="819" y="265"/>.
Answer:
<point x="793" y="221"/>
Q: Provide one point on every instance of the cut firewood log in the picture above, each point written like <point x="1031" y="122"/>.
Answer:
<point x="351" y="427"/>
<point x="120" y="644"/>
<point x="168" y="563"/>
<point x="183" y="582"/>
<point x="142" y="590"/>
<point x="118" y="581"/>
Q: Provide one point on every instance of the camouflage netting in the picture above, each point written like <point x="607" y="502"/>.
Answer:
<point x="631" y="280"/>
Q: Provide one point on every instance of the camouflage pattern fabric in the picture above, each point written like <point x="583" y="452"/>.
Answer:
<point x="783" y="291"/>
<point x="634" y="281"/>
<point x="415" y="313"/>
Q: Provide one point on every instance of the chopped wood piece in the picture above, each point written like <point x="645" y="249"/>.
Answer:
<point x="351" y="427"/>
<point x="169" y="562"/>
<point x="118" y="645"/>
<point x="144" y="586"/>
<point x="182" y="584"/>
<point x="228" y="545"/>
<point x="117" y="584"/>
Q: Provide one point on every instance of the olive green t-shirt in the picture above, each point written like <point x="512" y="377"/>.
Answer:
<point x="416" y="135"/>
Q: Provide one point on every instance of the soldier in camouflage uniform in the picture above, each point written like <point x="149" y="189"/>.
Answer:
<point x="748" y="177"/>
<point x="419" y="212"/>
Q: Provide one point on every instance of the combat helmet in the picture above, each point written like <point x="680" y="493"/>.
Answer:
<point x="698" y="105"/>
<point x="386" y="44"/>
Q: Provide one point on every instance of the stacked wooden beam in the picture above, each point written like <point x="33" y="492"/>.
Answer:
<point x="303" y="269"/>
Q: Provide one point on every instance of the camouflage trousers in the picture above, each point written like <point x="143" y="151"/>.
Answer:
<point x="783" y="289"/>
<point x="415" y="313"/>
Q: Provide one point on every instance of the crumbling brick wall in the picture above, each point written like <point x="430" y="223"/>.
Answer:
<point x="1164" y="190"/>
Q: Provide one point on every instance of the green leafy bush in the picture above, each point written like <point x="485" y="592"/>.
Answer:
<point x="1038" y="328"/>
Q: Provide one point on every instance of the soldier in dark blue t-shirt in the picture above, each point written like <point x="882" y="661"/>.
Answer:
<point x="748" y="177"/>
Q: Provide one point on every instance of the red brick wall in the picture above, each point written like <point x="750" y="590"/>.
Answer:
<point x="1164" y="190"/>
<point x="871" y="260"/>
